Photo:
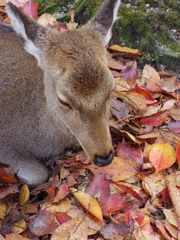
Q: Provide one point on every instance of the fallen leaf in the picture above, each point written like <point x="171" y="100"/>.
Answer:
<point x="18" y="227"/>
<point x="24" y="195"/>
<point x="6" y="191"/>
<point x="14" y="236"/>
<point x="2" y="209"/>
<point x="148" y="73"/>
<point x="169" y="84"/>
<point x="116" y="202"/>
<point x="127" y="151"/>
<point x="156" y="120"/>
<point x="110" y="228"/>
<point x="44" y="223"/>
<point x="161" y="156"/>
<point x="94" y="225"/>
<point x="62" y="206"/>
<point x="130" y="136"/>
<point x="174" y="192"/>
<point x="137" y="102"/>
<point x="125" y="51"/>
<point x="62" y="217"/>
<point x="88" y="203"/>
<point x="134" y="216"/>
<point x="114" y="64"/>
<point x="145" y="92"/>
<point x="160" y="224"/>
<point x="178" y="154"/>
<point x="46" y="19"/>
<point x="119" y="109"/>
<point x="154" y="183"/>
<point x="121" y="84"/>
<point x="164" y="74"/>
<point x="7" y="176"/>
<point x="129" y="74"/>
<point x="99" y="188"/>
<point x="171" y="216"/>
<point x="168" y="105"/>
<point x="75" y="226"/>
<point x="62" y="192"/>
<point x="31" y="8"/>
<point x="174" y="126"/>
<point x="172" y="230"/>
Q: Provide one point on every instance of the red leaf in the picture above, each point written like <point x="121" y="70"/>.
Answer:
<point x="174" y="126"/>
<point x="166" y="197"/>
<point x="127" y="151"/>
<point x="116" y="202"/>
<point x="62" y="217"/>
<point x="134" y="216"/>
<point x="6" y="191"/>
<point x="128" y="190"/>
<point x="98" y="187"/>
<point x="50" y="190"/>
<point x="155" y="120"/>
<point x="145" y="92"/>
<point x="178" y="154"/>
<point x="30" y="8"/>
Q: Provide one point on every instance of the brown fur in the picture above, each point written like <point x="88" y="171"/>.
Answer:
<point x="72" y="67"/>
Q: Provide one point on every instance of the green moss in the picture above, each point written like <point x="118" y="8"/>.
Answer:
<point x="142" y="6"/>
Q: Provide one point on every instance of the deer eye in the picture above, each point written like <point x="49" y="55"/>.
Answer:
<point x="65" y="104"/>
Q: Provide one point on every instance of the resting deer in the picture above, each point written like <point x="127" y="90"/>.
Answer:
<point x="55" y="91"/>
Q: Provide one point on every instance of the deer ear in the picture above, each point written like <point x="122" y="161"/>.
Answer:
<point x="105" y="18"/>
<point x="27" y="28"/>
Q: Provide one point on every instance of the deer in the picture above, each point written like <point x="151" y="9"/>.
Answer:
<point x="55" y="91"/>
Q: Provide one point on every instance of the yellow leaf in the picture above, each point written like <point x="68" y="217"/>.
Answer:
<point x="171" y="216"/>
<point x="62" y="206"/>
<point x="88" y="203"/>
<point x="24" y="195"/>
<point x="161" y="156"/>
<point x="18" y="227"/>
<point x="126" y="52"/>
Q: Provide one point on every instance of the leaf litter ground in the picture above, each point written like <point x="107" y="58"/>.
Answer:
<point x="137" y="196"/>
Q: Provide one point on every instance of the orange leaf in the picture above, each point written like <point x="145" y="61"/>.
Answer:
<point x="88" y="203"/>
<point x="156" y="120"/>
<point x="161" y="156"/>
<point x="126" y="52"/>
<point x="145" y="92"/>
<point x="178" y="154"/>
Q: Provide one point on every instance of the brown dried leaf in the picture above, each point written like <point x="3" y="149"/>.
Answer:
<point x="44" y="223"/>
<point x="75" y="226"/>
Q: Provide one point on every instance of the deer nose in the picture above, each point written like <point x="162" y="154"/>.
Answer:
<point x="102" y="162"/>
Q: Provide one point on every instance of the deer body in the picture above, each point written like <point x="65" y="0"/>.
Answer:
<point x="54" y="92"/>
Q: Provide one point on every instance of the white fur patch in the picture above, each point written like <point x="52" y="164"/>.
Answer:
<point x="115" y="11"/>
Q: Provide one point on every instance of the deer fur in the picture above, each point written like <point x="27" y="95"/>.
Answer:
<point x="54" y="92"/>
